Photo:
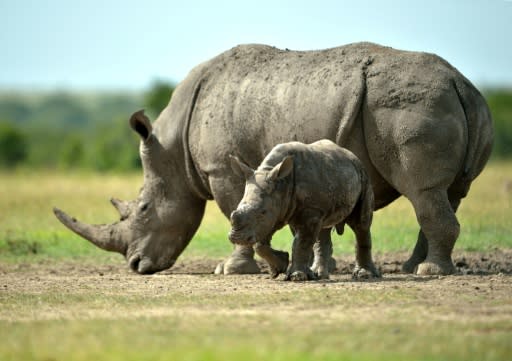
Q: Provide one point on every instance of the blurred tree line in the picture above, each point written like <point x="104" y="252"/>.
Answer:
<point x="72" y="130"/>
<point x="91" y="131"/>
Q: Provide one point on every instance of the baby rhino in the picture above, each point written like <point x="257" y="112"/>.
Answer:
<point x="311" y="187"/>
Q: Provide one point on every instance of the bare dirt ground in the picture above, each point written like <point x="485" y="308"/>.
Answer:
<point x="476" y="271"/>
<point x="492" y="262"/>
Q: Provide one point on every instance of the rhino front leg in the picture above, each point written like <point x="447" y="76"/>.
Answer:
<point x="241" y="261"/>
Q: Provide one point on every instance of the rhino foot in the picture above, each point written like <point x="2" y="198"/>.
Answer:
<point x="365" y="273"/>
<point x="410" y="266"/>
<point x="431" y="268"/>
<point x="237" y="266"/>
<point x="241" y="261"/>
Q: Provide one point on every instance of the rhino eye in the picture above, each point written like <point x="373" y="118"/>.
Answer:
<point x="144" y="207"/>
<point x="263" y="212"/>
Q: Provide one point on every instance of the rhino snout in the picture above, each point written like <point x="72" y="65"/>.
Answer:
<point x="144" y="265"/>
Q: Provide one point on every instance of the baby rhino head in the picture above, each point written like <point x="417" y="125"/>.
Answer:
<point x="258" y="213"/>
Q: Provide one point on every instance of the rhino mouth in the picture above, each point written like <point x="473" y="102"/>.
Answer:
<point x="242" y="237"/>
<point x="143" y="265"/>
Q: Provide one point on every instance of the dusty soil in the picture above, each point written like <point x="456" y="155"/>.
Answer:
<point x="20" y="276"/>
<point x="467" y="263"/>
<point x="83" y="290"/>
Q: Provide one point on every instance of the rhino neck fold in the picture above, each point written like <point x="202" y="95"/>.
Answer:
<point x="197" y="183"/>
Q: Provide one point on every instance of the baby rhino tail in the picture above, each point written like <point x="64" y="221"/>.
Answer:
<point x="362" y="214"/>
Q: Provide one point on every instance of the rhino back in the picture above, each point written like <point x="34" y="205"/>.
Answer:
<point x="253" y="97"/>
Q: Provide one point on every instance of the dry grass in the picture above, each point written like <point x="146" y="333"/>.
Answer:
<point x="55" y="306"/>
<point x="28" y="227"/>
<point x="122" y="316"/>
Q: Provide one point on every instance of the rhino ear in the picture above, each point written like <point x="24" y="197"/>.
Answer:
<point x="141" y="124"/>
<point x="240" y="168"/>
<point x="282" y="170"/>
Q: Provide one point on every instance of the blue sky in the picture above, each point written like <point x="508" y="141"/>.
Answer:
<point x="57" y="44"/>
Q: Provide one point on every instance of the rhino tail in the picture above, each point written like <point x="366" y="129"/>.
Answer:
<point x="479" y="126"/>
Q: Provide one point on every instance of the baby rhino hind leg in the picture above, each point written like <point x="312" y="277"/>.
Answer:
<point x="360" y="221"/>
<point x="323" y="262"/>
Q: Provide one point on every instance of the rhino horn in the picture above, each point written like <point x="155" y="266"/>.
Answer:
<point x="104" y="236"/>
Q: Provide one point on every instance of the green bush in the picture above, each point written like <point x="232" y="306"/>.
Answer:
<point x="500" y="103"/>
<point x="13" y="145"/>
<point x="91" y="131"/>
<point x="158" y="96"/>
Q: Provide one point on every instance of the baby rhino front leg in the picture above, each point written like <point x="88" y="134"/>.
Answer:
<point x="306" y="231"/>
<point x="276" y="260"/>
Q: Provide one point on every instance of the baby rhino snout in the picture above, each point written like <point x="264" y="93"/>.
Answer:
<point x="240" y="233"/>
<point x="237" y="219"/>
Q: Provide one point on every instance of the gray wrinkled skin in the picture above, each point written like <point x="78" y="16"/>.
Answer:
<point x="419" y="127"/>
<point x="312" y="188"/>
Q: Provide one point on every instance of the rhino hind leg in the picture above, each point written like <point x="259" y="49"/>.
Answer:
<point x="419" y="254"/>
<point x="241" y="261"/>
<point x="323" y="263"/>
<point x="420" y="251"/>
<point x="436" y="215"/>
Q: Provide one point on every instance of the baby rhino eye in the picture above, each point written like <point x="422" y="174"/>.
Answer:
<point x="263" y="212"/>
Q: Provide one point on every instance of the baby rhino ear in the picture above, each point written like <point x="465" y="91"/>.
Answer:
<point x="282" y="170"/>
<point x="240" y="168"/>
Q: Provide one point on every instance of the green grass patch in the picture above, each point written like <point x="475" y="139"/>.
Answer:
<point x="29" y="230"/>
<point x="170" y="338"/>
<point x="307" y="322"/>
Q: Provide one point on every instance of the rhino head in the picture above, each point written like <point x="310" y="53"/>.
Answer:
<point x="154" y="229"/>
<point x="266" y="198"/>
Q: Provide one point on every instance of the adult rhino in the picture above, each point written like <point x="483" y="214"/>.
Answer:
<point x="420" y="127"/>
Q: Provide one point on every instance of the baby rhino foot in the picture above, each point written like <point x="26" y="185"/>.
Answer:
<point x="320" y="273"/>
<point x="280" y="265"/>
<point x="300" y="275"/>
<point x="361" y="273"/>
